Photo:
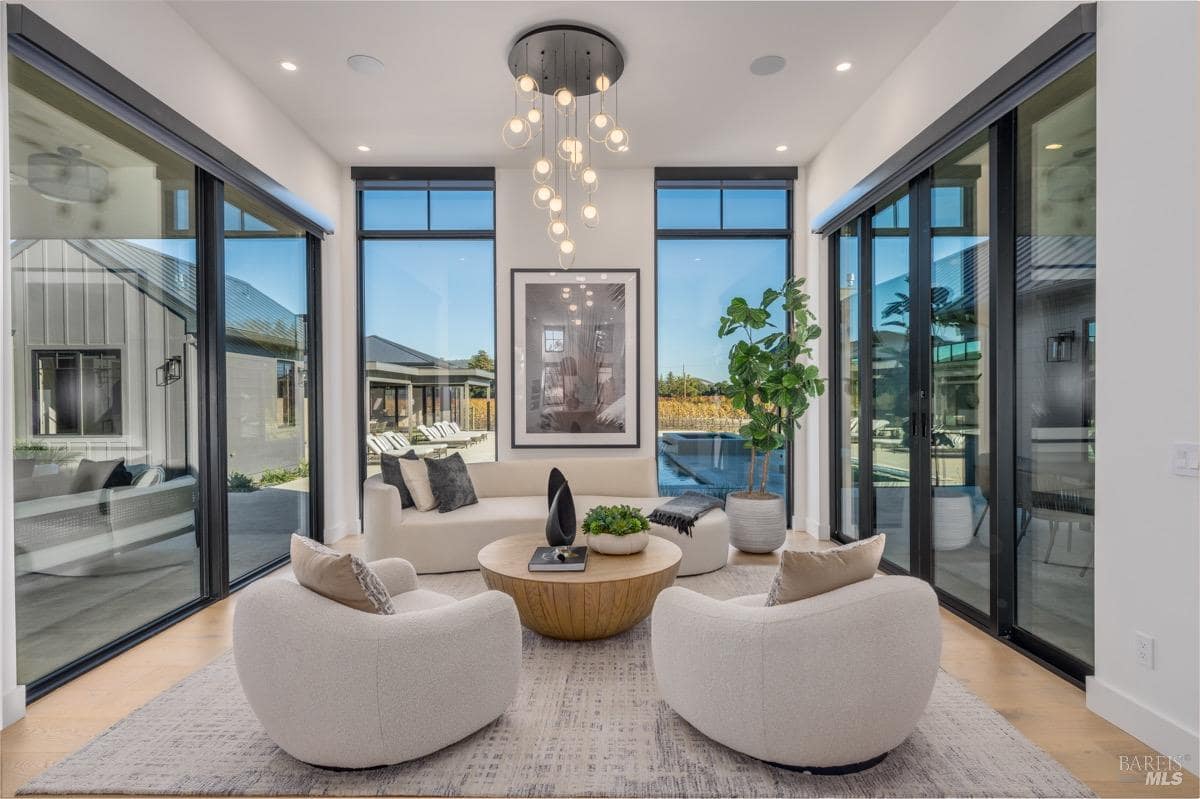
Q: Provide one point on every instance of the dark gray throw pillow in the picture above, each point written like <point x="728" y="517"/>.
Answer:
<point x="451" y="484"/>
<point x="389" y="466"/>
<point x="94" y="475"/>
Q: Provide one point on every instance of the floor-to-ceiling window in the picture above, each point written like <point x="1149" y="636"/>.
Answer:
<point x="104" y="392"/>
<point x="845" y="308"/>
<point x="888" y="429"/>
<point x="969" y="441"/>
<point x="1055" y="360"/>
<point x="716" y="240"/>
<point x="120" y="297"/>
<point x="267" y="387"/>
<point x="427" y="278"/>
<point x="957" y="357"/>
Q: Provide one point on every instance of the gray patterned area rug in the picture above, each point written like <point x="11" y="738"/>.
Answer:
<point x="587" y="721"/>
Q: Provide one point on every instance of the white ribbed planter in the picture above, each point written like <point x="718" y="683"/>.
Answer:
<point x="618" y="544"/>
<point x="756" y="524"/>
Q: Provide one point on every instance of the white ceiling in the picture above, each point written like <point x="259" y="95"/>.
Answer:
<point x="687" y="96"/>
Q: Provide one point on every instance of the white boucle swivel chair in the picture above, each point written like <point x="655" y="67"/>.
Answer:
<point x="341" y="688"/>
<point x="828" y="684"/>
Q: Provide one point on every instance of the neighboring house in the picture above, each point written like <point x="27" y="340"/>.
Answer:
<point x="104" y="338"/>
<point x="408" y="387"/>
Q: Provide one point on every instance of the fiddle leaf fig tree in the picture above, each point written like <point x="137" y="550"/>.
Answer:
<point x="770" y="378"/>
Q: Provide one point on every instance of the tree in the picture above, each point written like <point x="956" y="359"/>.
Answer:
<point x="769" y="377"/>
<point x="481" y="360"/>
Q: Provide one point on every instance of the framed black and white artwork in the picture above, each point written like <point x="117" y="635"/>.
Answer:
<point x="575" y="358"/>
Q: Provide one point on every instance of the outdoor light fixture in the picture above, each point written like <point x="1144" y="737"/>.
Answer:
<point x="574" y="70"/>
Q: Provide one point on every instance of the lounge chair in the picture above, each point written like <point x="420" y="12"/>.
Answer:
<point x="437" y="435"/>
<point x="401" y="444"/>
<point x="452" y="429"/>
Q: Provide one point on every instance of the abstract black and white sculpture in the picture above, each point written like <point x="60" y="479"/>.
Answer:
<point x="560" y="525"/>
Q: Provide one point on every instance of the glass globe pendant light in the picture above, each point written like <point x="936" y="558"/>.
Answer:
<point x="558" y="230"/>
<point x="543" y="168"/>
<point x="542" y="196"/>
<point x="599" y="126"/>
<point x="617" y="140"/>
<point x="590" y="214"/>
<point x="564" y="101"/>
<point x="527" y="87"/>
<point x="589" y="178"/>
<point x="566" y="253"/>
<point x="516" y="132"/>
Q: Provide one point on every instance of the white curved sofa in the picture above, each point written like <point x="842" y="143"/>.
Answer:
<point x="830" y="683"/>
<point x="512" y="499"/>
<point x="407" y="685"/>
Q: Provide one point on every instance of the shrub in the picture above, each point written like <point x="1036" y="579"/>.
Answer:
<point x="240" y="483"/>
<point x="614" y="520"/>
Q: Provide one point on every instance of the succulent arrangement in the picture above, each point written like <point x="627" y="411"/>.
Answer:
<point x="616" y="520"/>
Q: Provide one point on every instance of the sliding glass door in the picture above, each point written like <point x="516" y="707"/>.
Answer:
<point x="888" y="430"/>
<point x="969" y="442"/>
<point x="266" y="382"/>
<point x="163" y="380"/>
<point x="104" y="308"/>
<point x="1055" y="430"/>
<point x="957" y="358"/>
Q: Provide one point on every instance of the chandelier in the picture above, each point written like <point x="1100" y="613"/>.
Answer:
<point x="573" y="70"/>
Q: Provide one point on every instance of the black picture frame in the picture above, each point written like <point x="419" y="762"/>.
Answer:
<point x="633" y="431"/>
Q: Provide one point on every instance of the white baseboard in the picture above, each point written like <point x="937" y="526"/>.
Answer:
<point x="814" y="527"/>
<point x="13" y="709"/>
<point x="1164" y="735"/>
<point x="336" y="531"/>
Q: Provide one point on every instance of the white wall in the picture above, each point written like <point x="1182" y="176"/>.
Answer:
<point x="156" y="48"/>
<point x="1147" y="539"/>
<point x="624" y="239"/>
<point x="1147" y="548"/>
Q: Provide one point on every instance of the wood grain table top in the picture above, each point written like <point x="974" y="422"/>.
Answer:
<point x="510" y="557"/>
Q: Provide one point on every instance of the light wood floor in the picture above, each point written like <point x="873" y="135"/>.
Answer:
<point x="1048" y="710"/>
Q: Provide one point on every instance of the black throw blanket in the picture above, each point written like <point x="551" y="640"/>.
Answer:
<point x="681" y="512"/>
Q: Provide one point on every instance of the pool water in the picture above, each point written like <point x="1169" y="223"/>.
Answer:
<point x="716" y="469"/>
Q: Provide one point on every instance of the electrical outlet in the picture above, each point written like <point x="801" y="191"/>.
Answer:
<point x="1143" y="650"/>
<point x="1185" y="459"/>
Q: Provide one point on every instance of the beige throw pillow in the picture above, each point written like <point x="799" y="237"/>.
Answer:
<point x="339" y="576"/>
<point x="805" y="574"/>
<point x="416" y="477"/>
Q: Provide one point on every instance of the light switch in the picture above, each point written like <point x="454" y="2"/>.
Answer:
<point x="1185" y="459"/>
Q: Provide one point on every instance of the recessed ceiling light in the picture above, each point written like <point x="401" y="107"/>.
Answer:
<point x="768" y="64"/>
<point x="781" y="148"/>
<point x="288" y="66"/>
<point x="844" y="66"/>
<point x="366" y="64"/>
<point x="1054" y="146"/>
<point x="362" y="148"/>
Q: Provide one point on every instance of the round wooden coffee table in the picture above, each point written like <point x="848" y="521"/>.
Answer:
<point x="614" y="593"/>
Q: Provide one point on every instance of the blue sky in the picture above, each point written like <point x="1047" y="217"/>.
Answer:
<point x="276" y="267"/>
<point x="435" y="296"/>
<point x="696" y="280"/>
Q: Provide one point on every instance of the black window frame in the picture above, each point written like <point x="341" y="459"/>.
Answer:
<point x="721" y="178"/>
<point x="991" y="107"/>
<point x="41" y="352"/>
<point x="427" y="179"/>
<point x="285" y="391"/>
<point x="45" y="48"/>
